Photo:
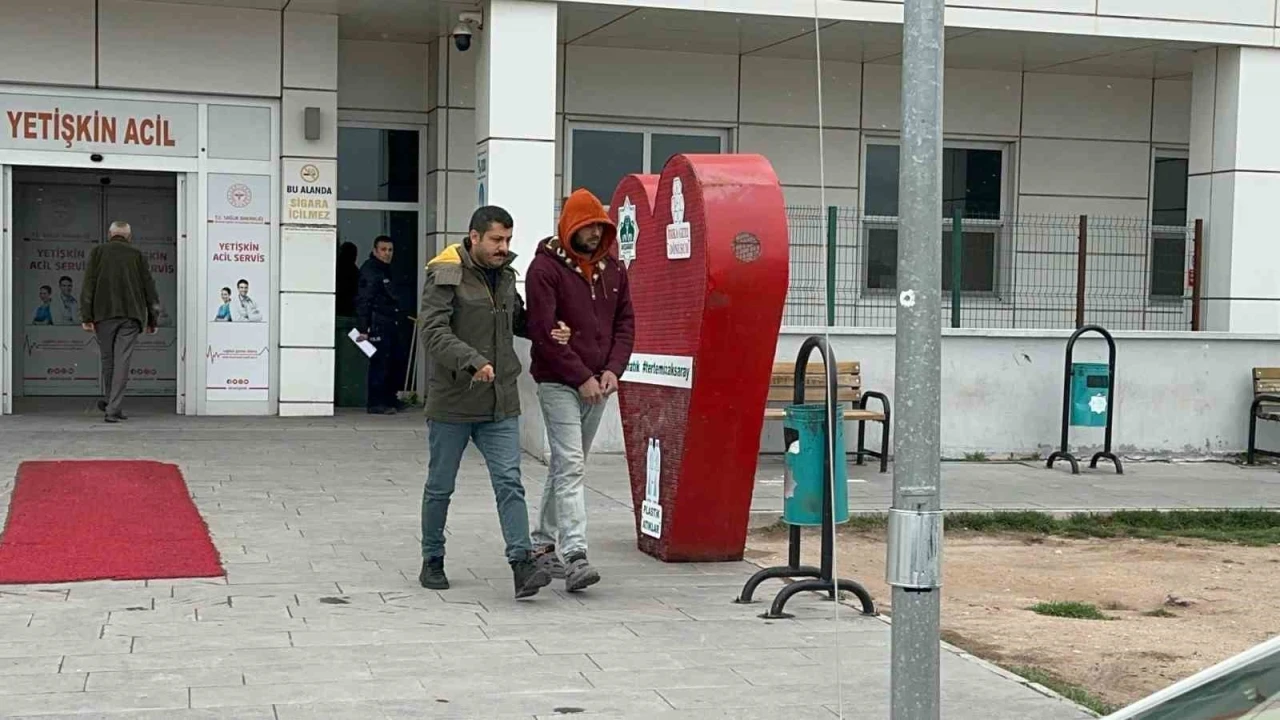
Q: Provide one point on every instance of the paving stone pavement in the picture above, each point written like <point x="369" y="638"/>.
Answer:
<point x="320" y="615"/>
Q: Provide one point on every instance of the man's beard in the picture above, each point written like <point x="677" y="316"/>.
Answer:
<point x="582" y="249"/>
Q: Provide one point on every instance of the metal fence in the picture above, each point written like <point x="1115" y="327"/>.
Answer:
<point x="1025" y="271"/>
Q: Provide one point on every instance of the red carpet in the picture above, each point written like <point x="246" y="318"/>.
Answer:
<point x="103" y="520"/>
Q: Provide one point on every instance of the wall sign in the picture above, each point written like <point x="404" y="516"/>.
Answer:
<point x="310" y="192"/>
<point x="651" y="508"/>
<point x="666" y="370"/>
<point x="679" y="232"/>
<point x="628" y="231"/>
<point x="482" y="175"/>
<point x="89" y="125"/>
<point x="237" y="359"/>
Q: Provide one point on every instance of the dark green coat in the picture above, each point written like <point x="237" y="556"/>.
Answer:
<point x="465" y="326"/>
<point x="118" y="284"/>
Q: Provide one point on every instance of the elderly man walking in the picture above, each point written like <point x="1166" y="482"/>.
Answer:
<point x="117" y="302"/>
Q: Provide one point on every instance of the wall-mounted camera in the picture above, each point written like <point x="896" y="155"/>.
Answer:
<point x="468" y="23"/>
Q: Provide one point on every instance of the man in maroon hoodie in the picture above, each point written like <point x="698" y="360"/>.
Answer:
<point x="575" y="279"/>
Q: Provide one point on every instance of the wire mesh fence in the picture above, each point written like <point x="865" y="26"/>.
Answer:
<point x="1026" y="271"/>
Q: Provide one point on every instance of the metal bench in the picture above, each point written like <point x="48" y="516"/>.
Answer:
<point x="1266" y="406"/>
<point x="848" y="390"/>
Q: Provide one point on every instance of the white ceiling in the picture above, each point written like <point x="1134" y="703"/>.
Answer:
<point x="723" y="33"/>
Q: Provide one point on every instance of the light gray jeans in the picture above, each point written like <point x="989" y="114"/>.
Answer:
<point x="571" y="427"/>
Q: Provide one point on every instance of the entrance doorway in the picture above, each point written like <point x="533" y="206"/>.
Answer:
<point x="58" y="216"/>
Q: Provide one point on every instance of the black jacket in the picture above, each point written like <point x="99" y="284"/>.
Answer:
<point x="376" y="307"/>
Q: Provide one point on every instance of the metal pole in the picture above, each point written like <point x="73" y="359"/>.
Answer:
<point x="914" y="561"/>
<point x="957" y="248"/>
<point x="832" y="216"/>
<point x="1082" y="257"/>
<point x="1197" y="274"/>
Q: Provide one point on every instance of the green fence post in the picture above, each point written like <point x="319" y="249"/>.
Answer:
<point x="832" y="214"/>
<point x="957" y="245"/>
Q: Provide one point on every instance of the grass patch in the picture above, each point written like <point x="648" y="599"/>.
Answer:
<point x="1070" y="691"/>
<point x="1245" y="527"/>
<point x="1069" y="609"/>
<point x="975" y="457"/>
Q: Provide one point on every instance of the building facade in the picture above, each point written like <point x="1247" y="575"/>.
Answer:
<point x="245" y="140"/>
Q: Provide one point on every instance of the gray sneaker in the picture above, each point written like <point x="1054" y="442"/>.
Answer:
<point x="579" y="575"/>
<point x="547" y="559"/>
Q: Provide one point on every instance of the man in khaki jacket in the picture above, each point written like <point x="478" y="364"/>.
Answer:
<point x="470" y="316"/>
<point x="117" y="302"/>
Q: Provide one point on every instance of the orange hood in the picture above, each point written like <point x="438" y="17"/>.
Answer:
<point x="582" y="209"/>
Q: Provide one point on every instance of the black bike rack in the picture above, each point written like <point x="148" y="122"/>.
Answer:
<point x="1063" y="453"/>
<point x="823" y="578"/>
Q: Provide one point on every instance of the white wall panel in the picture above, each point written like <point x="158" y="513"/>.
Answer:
<point x="812" y="196"/>
<point x="239" y="132"/>
<point x="310" y="51"/>
<point x="306" y="319"/>
<point x="1172" y="112"/>
<point x="784" y="91"/>
<point x="1084" y="167"/>
<point x="382" y="76"/>
<point x="1068" y="207"/>
<point x="882" y="97"/>
<point x="47" y="41"/>
<point x="1086" y="107"/>
<point x="793" y="152"/>
<point x="981" y="102"/>
<point x="1257" y="145"/>
<point x="292" y="124"/>
<point x="306" y="375"/>
<point x="188" y="48"/>
<point x="1235" y="12"/>
<point x="307" y="260"/>
<point x="686" y="86"/>
<point x="977" y="101"/>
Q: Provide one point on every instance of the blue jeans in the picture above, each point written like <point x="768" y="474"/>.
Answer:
<point x="499" y="443"/>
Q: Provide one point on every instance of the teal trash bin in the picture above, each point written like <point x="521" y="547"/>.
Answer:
<point x="806" y="450"/>
<point x="1090" y="394"/>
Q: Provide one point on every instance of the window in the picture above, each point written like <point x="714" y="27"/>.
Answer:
<point x="378" y="165"/>
<point x="601" y="155"/>
<point x="972" y="183"/>
<point x="1168" y="226"/>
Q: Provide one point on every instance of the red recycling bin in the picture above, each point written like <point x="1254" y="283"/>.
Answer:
<point x="707" y="253"/>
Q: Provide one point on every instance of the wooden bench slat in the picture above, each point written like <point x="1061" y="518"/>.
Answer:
<point x="815" y="380"/>
<point x="872" y="415"/>
<point x="813" y="395"/>
<point x="847" y="367"/>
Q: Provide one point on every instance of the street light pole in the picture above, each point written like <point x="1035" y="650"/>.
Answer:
<point x="914" y="562"/>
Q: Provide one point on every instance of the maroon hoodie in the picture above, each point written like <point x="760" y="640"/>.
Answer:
<point x="596" y="309"/>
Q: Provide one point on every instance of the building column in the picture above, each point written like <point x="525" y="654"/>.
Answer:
<point x="1234" y="173"/>
<point x="309" y="213"/>
<point x="516" y="117"/>
<point x="515" y="157"/>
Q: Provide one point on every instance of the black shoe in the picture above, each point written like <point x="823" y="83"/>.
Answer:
<point x="432" y="576"/>
<point x="112" y="418"/>
<point x="529" y="578"/>
<point x="102" y="406"/>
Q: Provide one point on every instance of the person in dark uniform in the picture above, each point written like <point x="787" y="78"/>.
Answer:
<point x="378" y="320"/>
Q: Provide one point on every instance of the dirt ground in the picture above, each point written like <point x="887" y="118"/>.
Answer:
<point x="1221" y="598"/>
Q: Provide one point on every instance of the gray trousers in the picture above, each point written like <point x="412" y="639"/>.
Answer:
<point x="116" y="340"/>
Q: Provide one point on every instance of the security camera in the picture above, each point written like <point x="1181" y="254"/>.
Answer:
<point x="463" y="30"/>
